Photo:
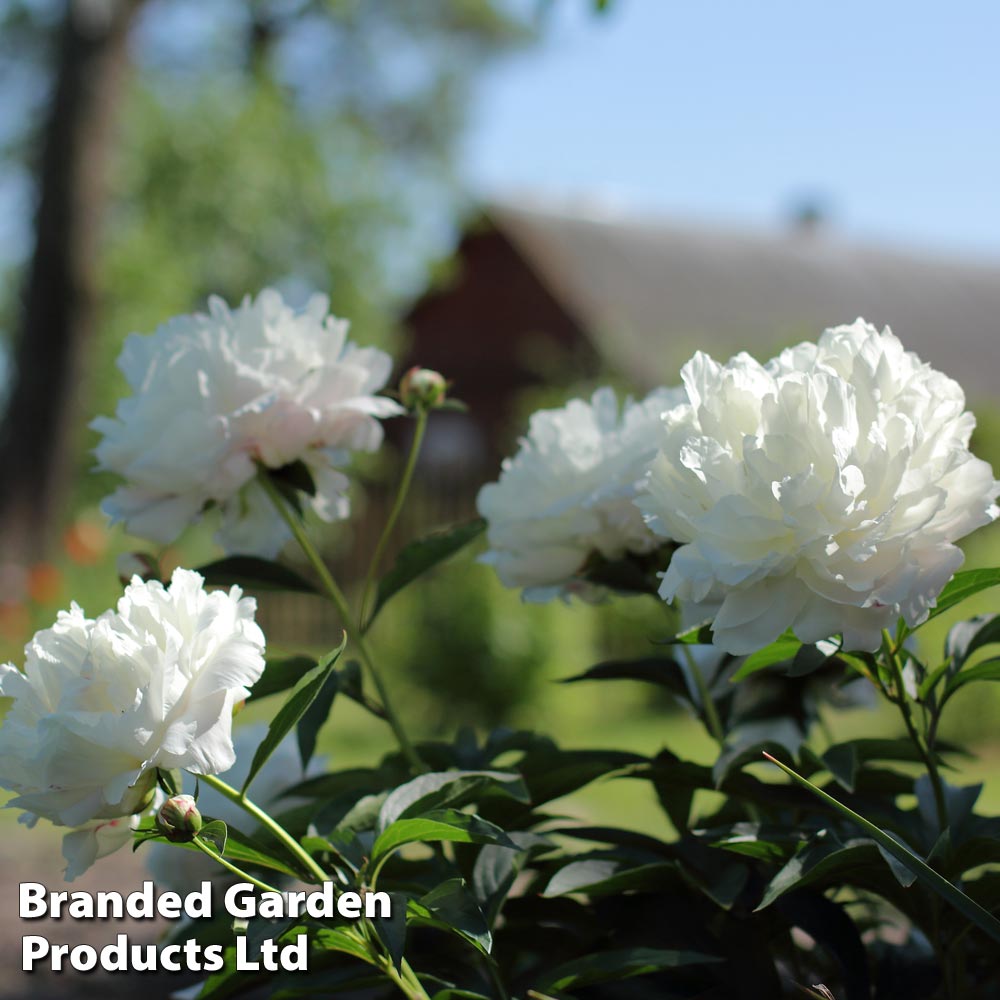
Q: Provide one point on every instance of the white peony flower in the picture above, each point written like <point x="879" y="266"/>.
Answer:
<point x="89" y="843"/>
<point x="104" y="702"/>
<point x="568" y="492"/>
<point x="822" y="492"/>
<point x="214" y="394"/>
<point x="182" y="870"/>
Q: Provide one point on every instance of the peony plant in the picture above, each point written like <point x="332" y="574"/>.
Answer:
<point x="798" y="518"/>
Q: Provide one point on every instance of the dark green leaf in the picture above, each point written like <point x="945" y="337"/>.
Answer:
<point x="614" y="966"/>
<point x="307" y="730"/>
<point x="438" y="825"/>
<point x="253" y="573"/>
<point x="603" y="876"/>
<point x="280" y="675"/>
<point x="447" y="788"/>
<point x="302" y="696"/>
<point x="392" y="930"/>
<point x="451" y="908"/>
<point x="653" y="669"/>
<point x="497" y="867"/>
<point x="424" y="554"/>
<point x="295" y="476"/>
<point x="971" y="910"/>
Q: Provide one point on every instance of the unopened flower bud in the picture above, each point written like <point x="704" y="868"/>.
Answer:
<point x="422" y="388"/>
<point x="178" y="819"/>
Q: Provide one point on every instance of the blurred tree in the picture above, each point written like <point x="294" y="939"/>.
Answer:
<point x="300" y="142"/>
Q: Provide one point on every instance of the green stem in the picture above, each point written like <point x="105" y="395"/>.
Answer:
<point x="926" y="754"/>
<point x="390" y="524"/>
<point x="205" y="849"/>
<point x="294" y="847"/>
<point x="336" y="596"/>
<point x="712" y="720"/>
<point x="406" y="980"/>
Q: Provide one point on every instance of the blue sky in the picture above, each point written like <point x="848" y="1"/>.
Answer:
<point x="887" y="112"/>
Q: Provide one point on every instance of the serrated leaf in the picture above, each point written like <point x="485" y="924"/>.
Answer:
<point x="438" y="825"/>
<point x="296" y="705"/>
<point x="422" y="555"/>
<point x="253" y="573"/>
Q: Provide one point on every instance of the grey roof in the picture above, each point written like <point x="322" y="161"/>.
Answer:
<point x="650" y="292"/>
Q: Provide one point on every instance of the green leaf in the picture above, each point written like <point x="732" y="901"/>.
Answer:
<point x="239" y="847"/>
<point x="254" y="573"/>
<point x="171" y="781"/>
<point x="963" y="585"/>
<point x="778" y="651"/>
<point x="392" y="930"/>
<point x="826" y="857"/>
<point x="280" y="675"/>
<point x="497" y="868"/>
<point x="966" y="637"/>
<point x="344" y="940"/>
<point x="551" y="773"/>
<point x="307" y="731"/>
<point x="614" y="966"/>
<point x="420" y="556"/>
<point x="447" y="788"/>
<point x="653" y="669"/>
<point x="451" y="908"/>
<point x="215" y="834"/>
<point x="988" y="670"/>
<point x="971" y="910"/>
<point x="605" y="876"/>
<point x="295" y="476"/>
<point x="302" y="696"/>
<point x="438" y="825"/>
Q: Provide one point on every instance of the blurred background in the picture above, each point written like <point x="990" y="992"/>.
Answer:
<point x="534" y="197"/>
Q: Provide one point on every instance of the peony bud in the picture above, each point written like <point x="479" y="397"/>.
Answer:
<point x="422" y="388"/>
<point x="178" y="819"/>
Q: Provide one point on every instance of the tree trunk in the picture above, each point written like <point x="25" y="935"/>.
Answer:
<point x="59" y="293"/>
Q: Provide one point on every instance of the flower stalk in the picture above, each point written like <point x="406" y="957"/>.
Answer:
<point x="339" y="601"/>
<point x="230" y="867"/>
<point x="404" y="488"/>
<point x="294" y="847"/>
